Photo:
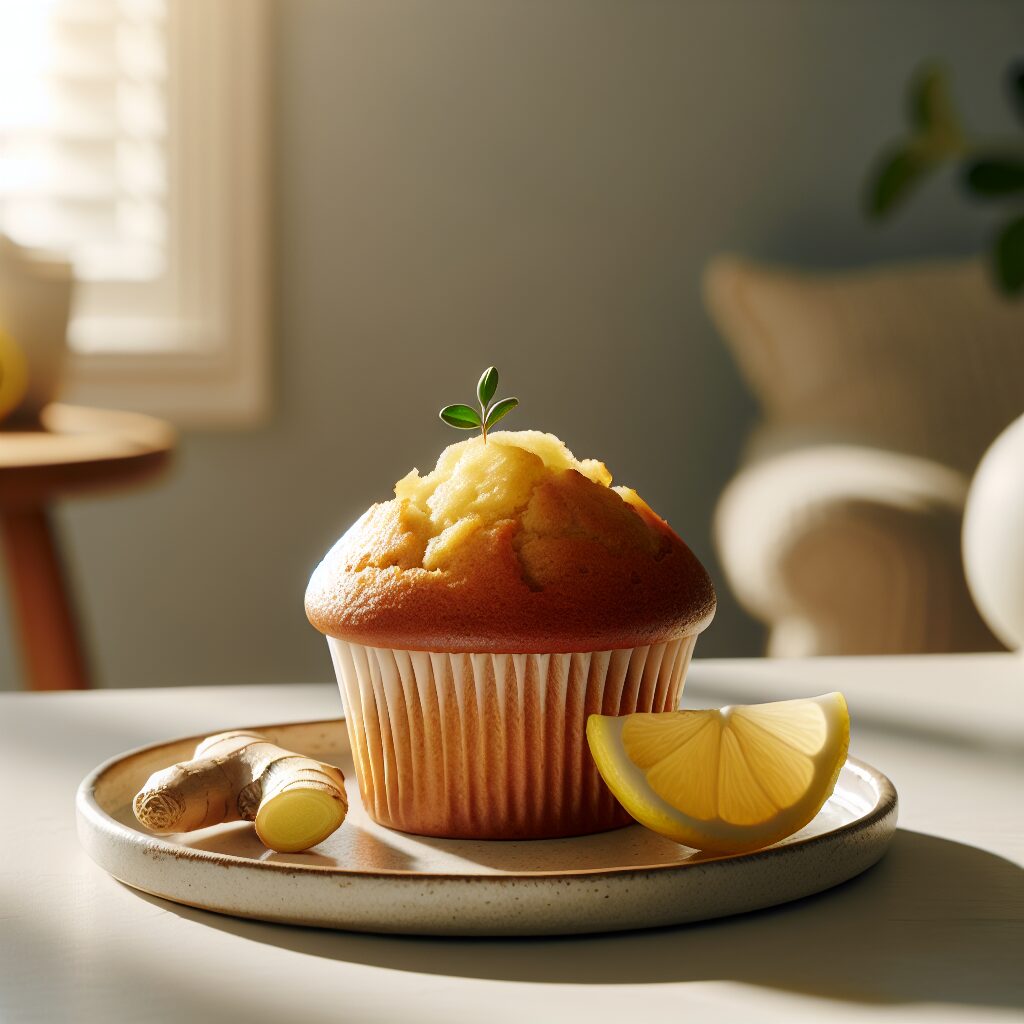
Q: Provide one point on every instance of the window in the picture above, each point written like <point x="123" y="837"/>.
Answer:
<point x="133" y="137"/>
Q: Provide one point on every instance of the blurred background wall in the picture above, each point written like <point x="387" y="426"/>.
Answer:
<point x="536" y="185"/>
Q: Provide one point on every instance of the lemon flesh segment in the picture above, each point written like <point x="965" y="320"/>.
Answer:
<point x="726" y="781"/>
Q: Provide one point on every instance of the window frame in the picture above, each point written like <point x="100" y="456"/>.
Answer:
<point x="216" y="372"/>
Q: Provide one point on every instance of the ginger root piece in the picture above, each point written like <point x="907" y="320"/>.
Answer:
<point x="295" y="801"/>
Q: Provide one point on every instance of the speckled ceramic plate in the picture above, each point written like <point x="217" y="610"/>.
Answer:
<point x="368" y="878"/>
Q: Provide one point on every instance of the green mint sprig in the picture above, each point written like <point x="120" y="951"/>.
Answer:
<point x="465" y="417"/>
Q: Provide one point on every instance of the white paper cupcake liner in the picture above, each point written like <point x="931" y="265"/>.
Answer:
<point x="493" y="746"/>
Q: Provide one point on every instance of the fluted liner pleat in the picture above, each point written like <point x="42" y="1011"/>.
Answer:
<point x="493" y="746"/>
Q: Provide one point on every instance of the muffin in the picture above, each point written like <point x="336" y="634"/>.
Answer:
<point x="477" y="618"/>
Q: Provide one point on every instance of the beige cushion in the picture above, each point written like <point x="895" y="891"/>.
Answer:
<point x="925" y="359"/>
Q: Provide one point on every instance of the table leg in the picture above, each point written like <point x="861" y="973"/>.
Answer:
<point x="42" y="606"/>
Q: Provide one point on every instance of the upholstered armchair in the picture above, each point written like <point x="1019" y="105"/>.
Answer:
<point x="880" y="391"/>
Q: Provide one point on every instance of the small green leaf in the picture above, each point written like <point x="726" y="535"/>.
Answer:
<point x="463" y="417"/>
<point x="995" y="176"/>
<point x="896" y="174"/>
<point x="1017" y="88"/>
<point x="1009" y="257"/>
<point x="502" y="408"/>
<point x="931" y="106"/>
<point x="487" y="386"/>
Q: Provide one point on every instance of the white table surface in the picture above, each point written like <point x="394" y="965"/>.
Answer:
<point x="933" y="933"/>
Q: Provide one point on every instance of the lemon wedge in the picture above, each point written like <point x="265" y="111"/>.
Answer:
<point x="727" y="781"/>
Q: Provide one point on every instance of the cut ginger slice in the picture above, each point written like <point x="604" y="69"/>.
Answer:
<point x="727" y="781"/>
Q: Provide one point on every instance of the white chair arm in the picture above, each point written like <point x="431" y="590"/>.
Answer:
<point x="808" y="536"/>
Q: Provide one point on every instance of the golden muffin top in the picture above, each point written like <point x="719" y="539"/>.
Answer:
<point x="510" y="545"/>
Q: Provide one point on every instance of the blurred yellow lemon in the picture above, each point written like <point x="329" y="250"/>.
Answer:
<point x="727" y="781"/>
<point x="13" y="374"/>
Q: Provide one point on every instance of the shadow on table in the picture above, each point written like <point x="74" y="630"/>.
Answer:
<point x="935" y="921"/>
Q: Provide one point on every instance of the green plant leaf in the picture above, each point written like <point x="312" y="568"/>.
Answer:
<point x="898" y="171"/>
<point x="502" y="408"/>
<point x="932" y="113"/>
<point x="1017" y="88"/>
<point x="1009" y="257"/>
<point x="463" y="417"/>
<point x="487" y="386"/>
<point x="995" y="176"/>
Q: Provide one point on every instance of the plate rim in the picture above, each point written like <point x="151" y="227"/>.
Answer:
<point x="87" y="807"/>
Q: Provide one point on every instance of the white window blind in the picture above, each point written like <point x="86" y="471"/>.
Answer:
<point x="134" y="138"/>
<point x="84" y="133"/>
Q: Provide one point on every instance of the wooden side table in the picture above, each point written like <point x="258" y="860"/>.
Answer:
<point x="74" y="450"/>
